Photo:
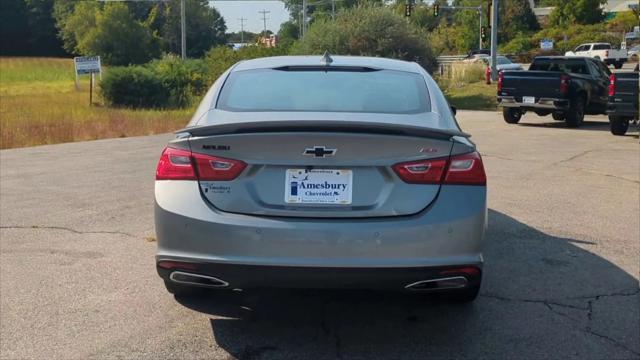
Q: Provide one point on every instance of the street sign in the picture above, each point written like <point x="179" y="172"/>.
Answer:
<point x="87" y="64"/>
<point x="546" y="44"/>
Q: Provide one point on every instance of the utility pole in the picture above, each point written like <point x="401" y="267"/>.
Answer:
<point x="264" y="19"/>
<point x="480" y="29"/>
<point x="333" y="9"/>
<point x="304" y="17"/>
<point x="494" y="40"/>
<point x="242" y="20"/>
<point x="183" y="29"/>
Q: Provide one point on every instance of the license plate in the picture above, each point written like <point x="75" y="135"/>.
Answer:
<point x="318" y="186"/>
<point x="528" y="99"/>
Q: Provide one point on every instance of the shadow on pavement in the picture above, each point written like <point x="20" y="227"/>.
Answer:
<point x="587" y="125"/>
<point x="542" y="296"/>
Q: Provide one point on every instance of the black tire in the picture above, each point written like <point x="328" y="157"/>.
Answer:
<point x="619" y="125"/>
<point x="183" y="291"/>
<point x="558" y="116"/>
<point x="575" y="116"/>
<point x="511" y="115"/>
<point x="617" y="65"/>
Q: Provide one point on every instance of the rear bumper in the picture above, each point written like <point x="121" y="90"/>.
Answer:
<point x="626" y="109"/>
<point x="541" y="103"/>
<point x="249" y="250"/>
<point x="255" y="276"/>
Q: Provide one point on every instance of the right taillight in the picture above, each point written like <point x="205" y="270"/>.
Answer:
<point x="500" y="80"/>
<point x="465" y="169"/>
<point x="179" y="164"/>
<point x="564" y="83"/>
<point x="612" y="84"/>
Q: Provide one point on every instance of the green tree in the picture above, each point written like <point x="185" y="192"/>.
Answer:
<point x="118" y="38"/>
<point x="369" y="31"/>
<point x="27" y="27"/>
<point x="14" y="26"/>
<point x="205" y="26"/>
<point x="568" y="12"/>
<point x="74" y="20"/>
<point x="288" y="34"/>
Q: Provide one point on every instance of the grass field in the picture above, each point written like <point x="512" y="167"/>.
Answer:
<point x="39" y="104"/>
<point x="473" y="96"/>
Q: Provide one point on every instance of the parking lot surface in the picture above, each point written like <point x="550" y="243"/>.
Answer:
<point x="77" y="275"/>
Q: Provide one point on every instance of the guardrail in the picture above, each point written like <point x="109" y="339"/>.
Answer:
<point x="448" y="59"/>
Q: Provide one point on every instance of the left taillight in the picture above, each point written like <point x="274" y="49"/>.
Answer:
<point x="178" y="164"/>
<point x="465" y="169"/>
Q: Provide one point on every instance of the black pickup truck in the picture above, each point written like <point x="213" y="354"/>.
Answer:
<point x="623" y="101"/>
<point x="565" y="87"/>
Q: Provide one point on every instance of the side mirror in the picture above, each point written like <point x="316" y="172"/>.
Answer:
<point x="454" y="110"/>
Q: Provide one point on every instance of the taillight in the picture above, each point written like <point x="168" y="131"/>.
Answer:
<point x="422" y="172"/>
<point x="500" y="80"/>
<point x="564" y="83"/>
<point x="214" y="168"/>
<point x="606" y="53"/>
<point x="175" y="164"/>
<point x="178" y="164"/>
<point x="466" y="169"/>
<point x="612" y="84"/>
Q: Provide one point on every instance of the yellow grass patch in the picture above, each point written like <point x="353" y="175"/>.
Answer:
<point x="39" y="104"/>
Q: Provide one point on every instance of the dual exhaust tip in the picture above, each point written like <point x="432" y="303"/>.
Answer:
<point x="454" y="282"/>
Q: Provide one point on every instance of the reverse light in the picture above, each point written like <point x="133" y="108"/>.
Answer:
<point x="465" y="169"/>
<point x="612" y="85"/>
<point x="500" y="80"/>
<point x="178" y="164"/>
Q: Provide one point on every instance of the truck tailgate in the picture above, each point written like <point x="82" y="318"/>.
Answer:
<point x="537" y="84"/>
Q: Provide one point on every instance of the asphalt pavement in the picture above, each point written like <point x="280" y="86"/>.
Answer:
<point x="77" y="275"/>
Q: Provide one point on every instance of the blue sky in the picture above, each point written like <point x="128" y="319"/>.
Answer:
<point x="232" y="10"/>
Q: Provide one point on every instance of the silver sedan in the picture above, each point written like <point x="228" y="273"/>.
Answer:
<point x="322" y="172"/>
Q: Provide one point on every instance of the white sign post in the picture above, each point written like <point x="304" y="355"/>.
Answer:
<point x="546" y="44"/>
<point x="87" y="65"/>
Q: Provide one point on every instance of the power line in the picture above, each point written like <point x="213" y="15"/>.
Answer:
<point x="242" y="20"/>
<point x="264" y="19"/>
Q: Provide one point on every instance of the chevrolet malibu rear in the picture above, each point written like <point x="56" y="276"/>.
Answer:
<point x="322" y="172"/>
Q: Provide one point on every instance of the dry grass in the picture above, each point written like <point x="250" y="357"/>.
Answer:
<point x="39" y="104"/>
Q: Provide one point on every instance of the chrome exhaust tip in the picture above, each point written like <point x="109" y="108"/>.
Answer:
<point x="180" y="277"/>
<point x="455" y="282"/>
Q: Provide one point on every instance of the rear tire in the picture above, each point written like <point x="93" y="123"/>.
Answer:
<point x="575" y="116"/>
<point x="558" y="116"/>
<point x="619" y="125"/>
<point x="511" y="116"/>
<point x="183" y="291"/>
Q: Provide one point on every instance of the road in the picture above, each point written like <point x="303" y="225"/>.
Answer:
<point x="77" y="276"/>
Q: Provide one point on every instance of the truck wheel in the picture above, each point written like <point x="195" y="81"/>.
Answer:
<point x="558" y="116"/>
<point x="617" y="65"/>
<point x="619" y="125"/>
<point x="575" y="116"/>
<point x="511" y="116"/>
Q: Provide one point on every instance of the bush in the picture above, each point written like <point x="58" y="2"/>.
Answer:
<point x="184" y="80"/>
<point x="133" y="86"/>
<point x="368" y="31"/>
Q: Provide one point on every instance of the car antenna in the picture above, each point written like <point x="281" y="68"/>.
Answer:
<point x="326" y="59"/>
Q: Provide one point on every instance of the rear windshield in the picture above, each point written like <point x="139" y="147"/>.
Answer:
<point x="316" y="89"/>
<point x="575" y="66"/>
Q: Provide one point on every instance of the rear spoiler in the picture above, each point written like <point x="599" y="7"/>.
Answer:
<point x="322" y="126"/>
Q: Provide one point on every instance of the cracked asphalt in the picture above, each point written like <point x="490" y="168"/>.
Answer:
<point x="77" y="276"/>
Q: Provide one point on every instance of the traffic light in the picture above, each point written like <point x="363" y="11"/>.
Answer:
<point x="483" y="33"/>
<point x="407" y="9"/>
<point x="436" y="10"/>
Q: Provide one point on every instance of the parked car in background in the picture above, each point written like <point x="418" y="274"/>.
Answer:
<point x="601" y="51"/>
<point x="503" y="63"/>
<point x="633" y="53"/>
<point x="565" y="87"/>
<point x="322" y="172"/>
<point x="623" y="100"/>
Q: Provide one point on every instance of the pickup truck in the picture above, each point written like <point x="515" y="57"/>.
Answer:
<point x="565" y="87"/>
<point x="601" y="51"/>
<point x="623" y="101"/>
